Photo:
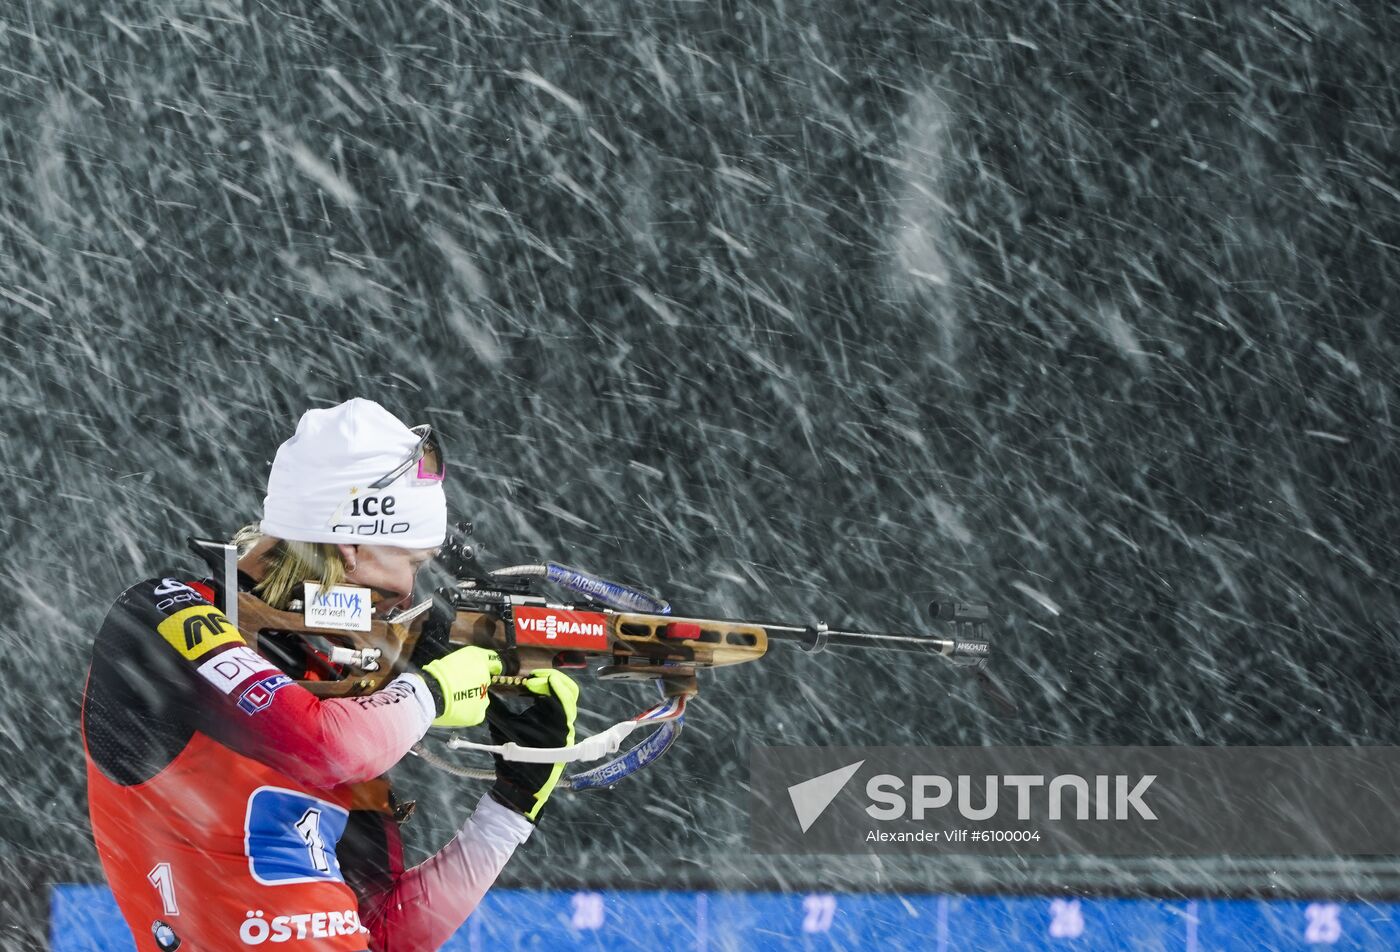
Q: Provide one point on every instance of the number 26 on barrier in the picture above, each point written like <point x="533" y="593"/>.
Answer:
<point x="1066" y="919"/>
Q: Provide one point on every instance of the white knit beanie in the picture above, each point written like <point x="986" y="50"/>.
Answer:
<point x="318" y="490"/>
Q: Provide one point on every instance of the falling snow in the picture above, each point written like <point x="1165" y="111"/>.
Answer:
<point x="787" y="310"/>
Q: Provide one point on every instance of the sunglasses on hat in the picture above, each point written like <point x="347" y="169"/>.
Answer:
<point x="428" y="454"/>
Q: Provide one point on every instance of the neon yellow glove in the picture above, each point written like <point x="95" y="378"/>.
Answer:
<point x="458" y="682"/>
<point x="548" y="722"/>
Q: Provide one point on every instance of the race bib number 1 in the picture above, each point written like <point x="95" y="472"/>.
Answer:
<point x="291" y="837"/>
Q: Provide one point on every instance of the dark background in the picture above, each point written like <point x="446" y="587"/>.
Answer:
<point x="785" y="309"/>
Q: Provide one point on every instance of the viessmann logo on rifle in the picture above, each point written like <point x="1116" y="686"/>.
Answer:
<point x="557" y="628"/>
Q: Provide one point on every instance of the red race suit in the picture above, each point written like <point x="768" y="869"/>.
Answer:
<point x="232" y="808"/>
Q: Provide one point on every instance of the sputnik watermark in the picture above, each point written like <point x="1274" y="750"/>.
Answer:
<point x="1112" y="798"/>
<point x="810" y="798"/>
<point x="1145" y="801"/>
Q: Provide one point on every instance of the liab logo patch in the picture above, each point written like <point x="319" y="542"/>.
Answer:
<point x="257" y="697"/>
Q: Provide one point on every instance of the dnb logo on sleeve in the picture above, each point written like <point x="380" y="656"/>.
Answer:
<point x="228" y="669"/>
<point x="290" y="837"/>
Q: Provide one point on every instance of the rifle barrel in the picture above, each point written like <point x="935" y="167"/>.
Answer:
<point x="812" y="638"/>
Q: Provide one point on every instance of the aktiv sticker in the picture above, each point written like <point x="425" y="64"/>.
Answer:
<point x="346" y="607"/>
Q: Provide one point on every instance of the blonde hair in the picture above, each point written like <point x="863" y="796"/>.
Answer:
<point x="288" y="564"/>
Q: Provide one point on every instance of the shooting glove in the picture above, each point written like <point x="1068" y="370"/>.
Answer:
<point x="548" y="722"/>
<point x="458" y="683"/>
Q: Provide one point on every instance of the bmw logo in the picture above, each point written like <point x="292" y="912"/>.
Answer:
<point x="166" y="938"/>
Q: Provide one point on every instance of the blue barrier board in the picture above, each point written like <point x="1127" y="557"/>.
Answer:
<point x="84" y="918"/>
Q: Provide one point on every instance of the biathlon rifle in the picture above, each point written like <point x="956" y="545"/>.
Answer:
<point x="635" y="634"/>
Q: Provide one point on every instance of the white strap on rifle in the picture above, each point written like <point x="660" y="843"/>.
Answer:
<point x="596" y="747"/>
